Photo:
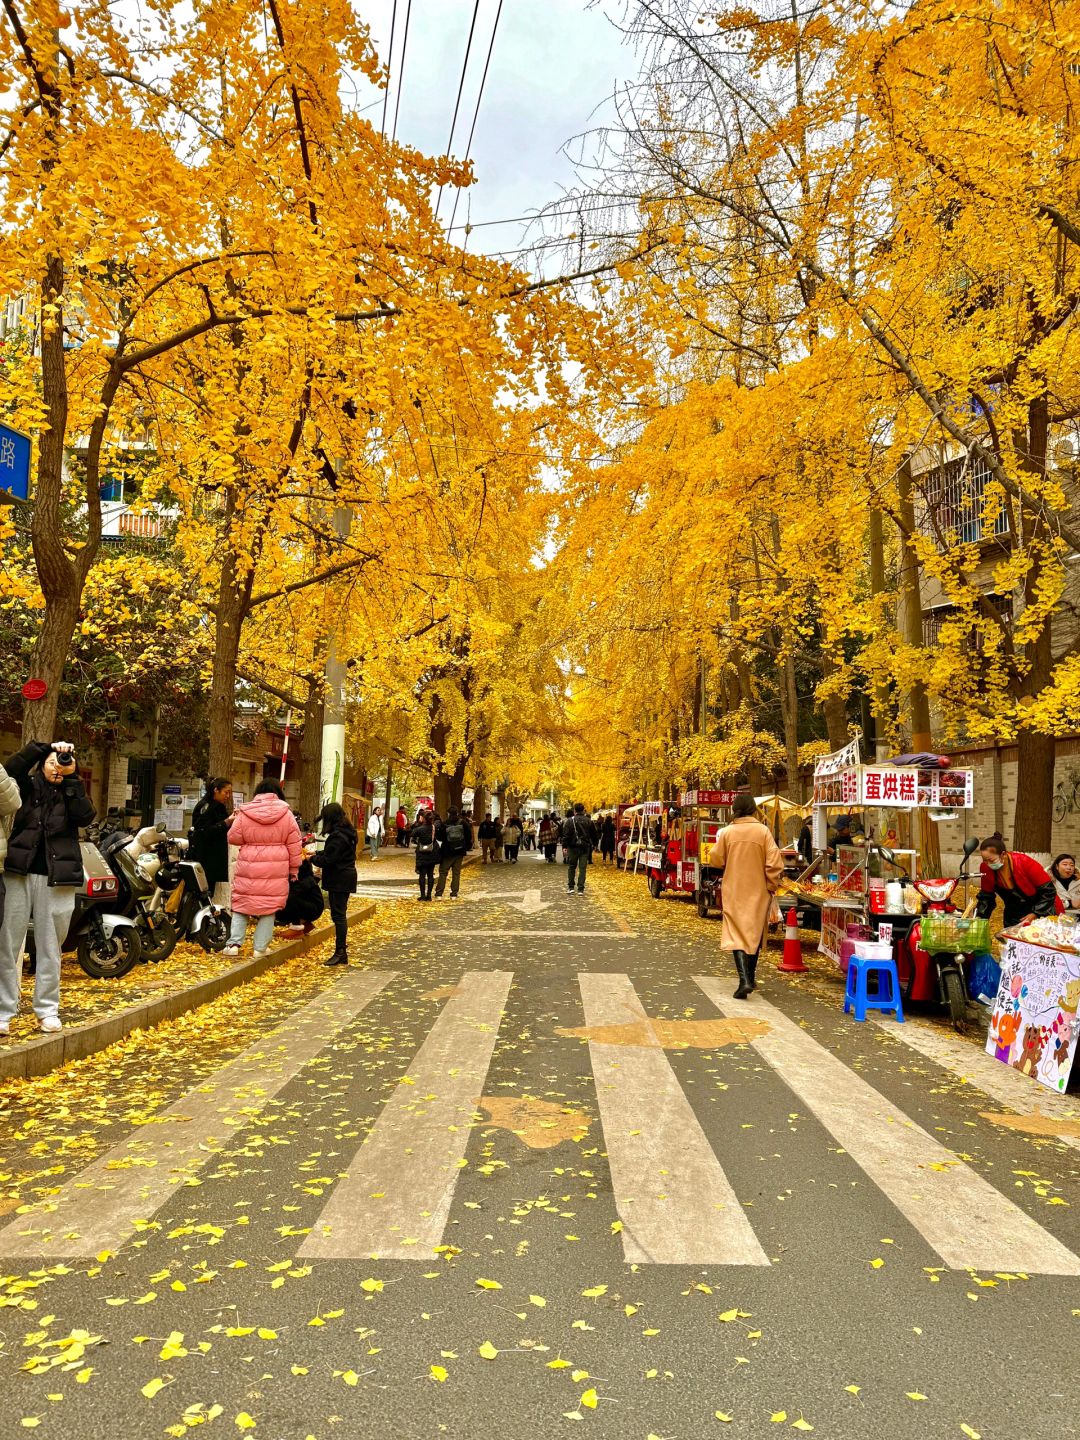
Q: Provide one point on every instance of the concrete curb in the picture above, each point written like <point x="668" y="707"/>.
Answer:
<point x="38" y="1057"/>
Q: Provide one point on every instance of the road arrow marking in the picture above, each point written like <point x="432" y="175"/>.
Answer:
<point x="529" y="901"/>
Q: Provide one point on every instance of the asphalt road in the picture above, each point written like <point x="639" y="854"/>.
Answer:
<point x="670" y="1216"/>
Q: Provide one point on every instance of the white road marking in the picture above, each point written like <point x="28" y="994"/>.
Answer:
<point x="100" y="1207"/>
<point x="675" y="1202"/>
<point x="958" y="1213"/>
<point x="529" y="901"/>
<point x="498" y="931"/>
<point x="395" y="1199"/>
<point x="983" y="1072"/>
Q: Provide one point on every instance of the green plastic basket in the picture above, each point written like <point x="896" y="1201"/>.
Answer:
<point x="943" y="933"/>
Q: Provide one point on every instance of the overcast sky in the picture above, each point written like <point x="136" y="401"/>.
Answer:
<point x="553" y="64"/>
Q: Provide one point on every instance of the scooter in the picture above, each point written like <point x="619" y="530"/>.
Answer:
<point x="135" y="863"/>
<point x="105" y="942"/>
<point x="933" y="974"/>
<point x="184" y="896"/>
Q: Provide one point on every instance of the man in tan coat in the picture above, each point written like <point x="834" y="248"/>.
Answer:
<point x="752" y="864"/>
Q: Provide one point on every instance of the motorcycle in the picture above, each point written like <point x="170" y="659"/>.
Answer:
<point x="183" y="894"/>
<point x="135" y="863"/>
<point x="106" y="943"/>
<point x="928" y="970"/>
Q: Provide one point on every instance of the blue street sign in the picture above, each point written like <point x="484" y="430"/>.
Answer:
<point x="14" y="462"/>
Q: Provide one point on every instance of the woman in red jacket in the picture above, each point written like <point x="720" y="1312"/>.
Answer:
<point x="1026" y="889"/>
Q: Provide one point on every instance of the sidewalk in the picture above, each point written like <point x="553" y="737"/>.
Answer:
<point x="395" y="867"/>
<point x="96" y="1013"/>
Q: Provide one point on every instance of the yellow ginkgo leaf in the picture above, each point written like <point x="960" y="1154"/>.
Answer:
<point x="537" y="1300"/>
<point x="244" y="1421"/>
<point x="722" y="1416"/>
<point x="265" y="1334"/>
<point x="371" y="1286"/>
<point x="439" y="1372"/>
<point x="487" y="1351"/>
<point x="778" y="1417"/>
<point x="151" y="1388"/>
<point x="915" y="1395"/>
<point x="489" y="1284"/>
<point x="350" y="1377"/>
<point x="589" y="1399"/>
<point x="801" y="1424"/>
<point x="970" y="1433"/>
<point x="594" y="1292"/>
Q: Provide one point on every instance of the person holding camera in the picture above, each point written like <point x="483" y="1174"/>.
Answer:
<point x="42" y="872"/>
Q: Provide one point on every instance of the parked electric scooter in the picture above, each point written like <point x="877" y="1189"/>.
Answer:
<point x="106" y="943"/>
<point x="930" y="960"/>
<point x="135" y="863"/>
<point x="184" y="896"/>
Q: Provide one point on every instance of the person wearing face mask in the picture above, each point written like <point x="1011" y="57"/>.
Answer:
<point x="1025" y="888"/>
<point x="41" y="873"/>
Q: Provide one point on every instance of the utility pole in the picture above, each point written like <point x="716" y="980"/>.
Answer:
<point x="333" y="744"/>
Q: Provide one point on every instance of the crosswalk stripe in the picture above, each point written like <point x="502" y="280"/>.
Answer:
<point x="100" y="1207"/>
<point x="675" y="1202"/>
<point x="395" y="1198"/>
<point x="958" y="1213"/>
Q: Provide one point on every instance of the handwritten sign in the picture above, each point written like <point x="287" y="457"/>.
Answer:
<point x="1033" y="1026"/>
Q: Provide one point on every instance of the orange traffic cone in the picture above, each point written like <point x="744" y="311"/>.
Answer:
<point x="792" y="961"/>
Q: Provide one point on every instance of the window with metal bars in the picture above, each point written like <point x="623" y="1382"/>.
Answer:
<point x="953" y="501"/>
<point x="940" y="615"/>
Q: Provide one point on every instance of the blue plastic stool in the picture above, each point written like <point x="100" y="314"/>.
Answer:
<point x="855" y="992"/>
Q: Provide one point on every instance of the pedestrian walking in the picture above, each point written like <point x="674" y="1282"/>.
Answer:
<point x="208" y="837"/>
<point x="512" y="833"/>
<point x="528" y="840"/>
<point x="336" y="863"/>
<point x="401" y="828"/>
<point x="607" y="840"/>
<point x="375" y="831"/>
<point x="1025" y="888"/>
<point x="42" y="871"/>
<point x="455" y="842"/>
<point x="425" y="840"/>
<point x="267" y="838"/>
<point x="485" y="833"/>
<point x="578" y="839"/>
<point x="500" y="840"/>
<point x="753" y="867"/>
<point x="548" y="837"/>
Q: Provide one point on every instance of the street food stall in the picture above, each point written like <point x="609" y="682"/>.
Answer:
<point x="677" y="856"/>
<point x="858" y="883"/>
<point x="1033" y="1026"/>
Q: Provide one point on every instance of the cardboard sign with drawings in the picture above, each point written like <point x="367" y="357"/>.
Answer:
<point x="1033" y="1026"/>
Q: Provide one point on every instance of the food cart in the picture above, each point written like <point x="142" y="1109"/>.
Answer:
<point x="889" y="795"/>
<point x="678" y="860"/>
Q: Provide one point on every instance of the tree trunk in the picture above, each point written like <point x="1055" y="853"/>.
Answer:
<point x="479" y="804"/>
<point x="441" y="786"/>
<point x="1033" y="819"/>
<point x="457" y="784"/>
<point x="911" y="610"/>
<point x="879" y="707"/>
<point x="227" y="624"/>
<point x="309" y="796"/>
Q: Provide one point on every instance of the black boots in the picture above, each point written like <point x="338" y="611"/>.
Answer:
<point x="751" y="970"/>
<point x="745" y="983"/>
<point x="339" y="957"/>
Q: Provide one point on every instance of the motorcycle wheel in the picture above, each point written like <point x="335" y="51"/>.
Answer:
<point x="701" y="899"/>
<point x="213" y="934"/>
<point x="157" y="943"/>
<point x="655" y="887"/>
<point x="953" y="983"/>
<point x="108" y="957"/>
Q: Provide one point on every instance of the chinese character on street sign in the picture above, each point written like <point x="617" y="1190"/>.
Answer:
<point x="14" y="462"/>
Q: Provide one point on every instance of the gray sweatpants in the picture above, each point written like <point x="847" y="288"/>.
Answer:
<point x="51" y="908"/>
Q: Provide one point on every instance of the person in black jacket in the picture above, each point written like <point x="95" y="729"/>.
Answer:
<point x="209" y="835"/>
<point x="455" y="842"/>
<point x="425" y="839"/>
<point x="337" y="863"/>
<point x="42" y="872"/>
<point x="578" y="839"/>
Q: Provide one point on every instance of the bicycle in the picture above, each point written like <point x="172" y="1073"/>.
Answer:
<point x="1067" y="795"/>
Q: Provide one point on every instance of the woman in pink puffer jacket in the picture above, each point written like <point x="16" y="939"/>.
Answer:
<point x="268" y="838"/>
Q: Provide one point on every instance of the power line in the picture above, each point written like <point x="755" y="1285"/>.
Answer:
<point x="457" y="102"/>
<point x="401" y="67"/>
<point x="479" y="97"/>
<point x="389" y="68"/>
